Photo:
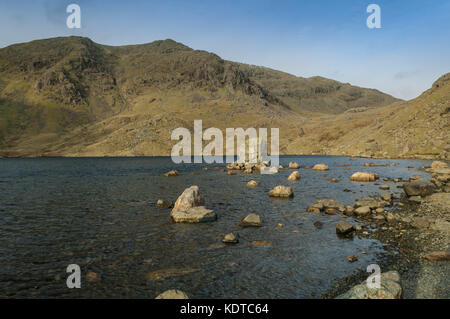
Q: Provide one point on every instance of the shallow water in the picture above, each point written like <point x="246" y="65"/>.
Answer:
<point x="100" y="214"/>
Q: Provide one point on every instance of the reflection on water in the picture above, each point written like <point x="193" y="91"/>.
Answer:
<point x="101" y="215"/>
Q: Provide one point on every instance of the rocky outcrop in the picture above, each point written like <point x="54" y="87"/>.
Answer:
<point x="389" y="289"/>
<point x="189" y="208"/>
<point x="281" y="191"/>
<point x="364" y="177"/>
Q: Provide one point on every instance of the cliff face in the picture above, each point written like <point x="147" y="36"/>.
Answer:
<point x="71" y="96"/>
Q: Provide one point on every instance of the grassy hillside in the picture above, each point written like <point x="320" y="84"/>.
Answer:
<point x="73" y="97"/>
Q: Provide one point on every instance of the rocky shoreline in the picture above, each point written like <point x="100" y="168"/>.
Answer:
<point x="414" y="228"/>
<point x="417" y="245"/>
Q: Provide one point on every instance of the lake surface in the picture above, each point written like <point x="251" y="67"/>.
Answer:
<point x="100" y="214"/>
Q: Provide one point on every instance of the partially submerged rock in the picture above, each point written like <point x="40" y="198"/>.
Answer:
<point x="252" y="183"/>
<point x="189" y="198"/>
<point x="189" y="208"/>
<point x="344" y="228"/>
<point x="173" y="294"/>
<point x="172" y="173"/>
<point x="325" y="204"/>
<point x="294" y="176"/>
<point x="320" y="167"/>
<point x="294" y="165"/>
<point x="163" y="204"/>
<point x="251" y="220"/>
<point x="231" y="238"/>
<point x="364" y="177"/>
<point x="194" y="215"/>
<point x="281" y="191"/>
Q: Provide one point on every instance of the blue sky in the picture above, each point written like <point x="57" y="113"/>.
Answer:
<point x="306" y="38"/>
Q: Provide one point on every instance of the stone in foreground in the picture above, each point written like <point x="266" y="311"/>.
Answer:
<point x="344" y="228"/>
<point x="231" y="238"/>
<point x="173" y="294"/>
<point x="251" y="220"/>
<point x="281" y="191"/>
<point x="389" y="289"/>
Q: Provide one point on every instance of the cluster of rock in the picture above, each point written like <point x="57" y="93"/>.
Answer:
<point x="389" y="288"/>
<point x="329" y="206"/>
<point x="189" y="208"/>
<point x="440" y="173"/>
<point x="363" y="207"/>
<point x="250" y="168"/>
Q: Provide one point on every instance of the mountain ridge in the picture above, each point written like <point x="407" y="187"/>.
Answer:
<point x="73" y="97"/>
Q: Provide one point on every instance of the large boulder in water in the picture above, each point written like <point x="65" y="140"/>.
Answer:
<point x="294" y="176"/>
<point x="189" y="198"/>
<point x="294" y="165"/>
<point x="419" y="187"/>
<point x="189" y="208"/>
<point x="320" y="167"/>
<point x="281" y="191"/>
<point x="251" y="220"/>
<point x="364" y="177"/>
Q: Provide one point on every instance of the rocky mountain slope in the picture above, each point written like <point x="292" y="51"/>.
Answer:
<point x="419" y="128"/>
<point x="70" y="96"/>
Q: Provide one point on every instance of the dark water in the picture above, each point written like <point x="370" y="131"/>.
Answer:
<point x="101" y="215"/>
